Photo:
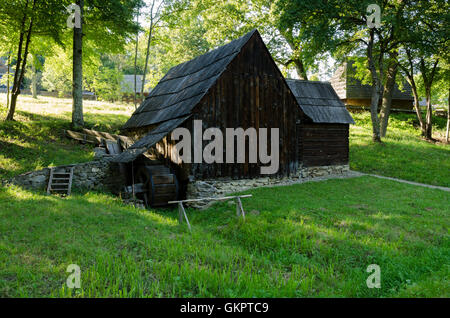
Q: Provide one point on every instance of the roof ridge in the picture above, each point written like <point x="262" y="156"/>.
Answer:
<point x="188" y="74"/>
<point x="308" y="81"/>
<point x="214" y="50"/>
<point x="205" y="69"/>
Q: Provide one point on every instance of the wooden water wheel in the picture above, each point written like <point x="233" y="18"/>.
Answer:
<point x="161" y="186"/>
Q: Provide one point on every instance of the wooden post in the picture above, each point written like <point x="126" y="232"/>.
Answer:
<point x="50" y="178"/>
<point x="239" y="208"/>
<point x="182" y="211"/>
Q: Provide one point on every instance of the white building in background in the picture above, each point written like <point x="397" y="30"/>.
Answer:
<point x="128" y="84"/>
<point x="3" y="71"/>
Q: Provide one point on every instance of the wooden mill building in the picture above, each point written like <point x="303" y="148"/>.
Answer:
<point x="238" y="85"/>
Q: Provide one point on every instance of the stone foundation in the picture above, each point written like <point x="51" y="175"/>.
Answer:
<point x="103" y="174"/>
<point x="99" y="175"/>
<point x="221" y="187"/>
<point x="322" y="171"/>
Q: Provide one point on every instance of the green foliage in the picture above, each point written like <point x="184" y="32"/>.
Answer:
<point x="197" y="26"/>
<point x="49" y="19"/>
<point x="57" y="73"/>
<point x="171" y="47"/>
<point x="107" y="84"/>
<point x="110" y="24"/>
<point x="440" y="87"/>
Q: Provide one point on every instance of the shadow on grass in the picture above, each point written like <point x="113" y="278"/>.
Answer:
<point x="318" y="232"/>
<point x="42" y="235"/>
<point x="109" y="122"/>
<point x="313" y="239"/>
<point x="41" y="142"/>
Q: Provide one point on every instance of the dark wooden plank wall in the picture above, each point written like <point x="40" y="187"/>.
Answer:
<point x="323" y="144"/>
<point x="250" y="93"/>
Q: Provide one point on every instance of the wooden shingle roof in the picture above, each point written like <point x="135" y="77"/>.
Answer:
<point x="182" y="88"/>
<point x="149" y="140"/>
<point x="319" y="101"/>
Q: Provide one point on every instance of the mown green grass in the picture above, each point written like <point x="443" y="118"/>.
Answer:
<point x="36" y="139"/>
<point x="403" y="153"/>
<point x="307" y="240"/>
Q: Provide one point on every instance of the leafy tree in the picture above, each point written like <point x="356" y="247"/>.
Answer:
<point x="425" y="38"/>
<point x="107" y="84"/>
<point x="6" y="78"/>
<point x="106" y="25"/>
<point x="341" y="28"/>
<point x="221" y="21"/>
<point x="57" y="71"/>
<point x="38" y="50"/>
<point x="22" y="20"/>
<point x="154" y="18"/>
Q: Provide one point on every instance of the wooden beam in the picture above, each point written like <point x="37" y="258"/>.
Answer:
<point x="83" y="137"/>
<point x="97" y="137"/>
<point x="237" y="198"/>
<point x="212" y="199"/>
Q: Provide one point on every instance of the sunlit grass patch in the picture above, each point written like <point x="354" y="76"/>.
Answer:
<point x="36" y="139"/>
<point x="306" y="240"/>
<point x="403" y="154"/>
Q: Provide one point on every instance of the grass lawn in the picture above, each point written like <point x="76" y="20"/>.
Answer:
<point x="307" y="240"/>
<point x="36" y="140"/>
<point x="403" y="154"/>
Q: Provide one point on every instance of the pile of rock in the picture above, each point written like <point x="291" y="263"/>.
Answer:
<point x="100" y="174"/>
<point x="221" y="187"/>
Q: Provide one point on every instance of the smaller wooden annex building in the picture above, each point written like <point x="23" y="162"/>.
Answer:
<point x="237" y="85"/>
<point x="323" y="138"/>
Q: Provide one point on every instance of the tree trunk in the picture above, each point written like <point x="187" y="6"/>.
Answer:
<point x="8" y="80"/>
<point x="387" y="97"/>
<point x="146" y="57"/>
<point x="428" y="119"/>
<point x="77" y="85"/>
<point x="428" y="83"/>
<point x="376" y="91"/>
<point x="301" y="71"/>
<point x="135" y="65"/>
<point x="298" y="62"/>
<point x="21" y="65"/>
<point x="34" y="78"/>
<point x="448" y="117"/>
<point x="410" y="78"/>
<point x="150" y="33"/>
<point x="412" y="82"/>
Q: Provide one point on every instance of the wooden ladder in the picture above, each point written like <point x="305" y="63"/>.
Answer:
<point x="60" y="181"/>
